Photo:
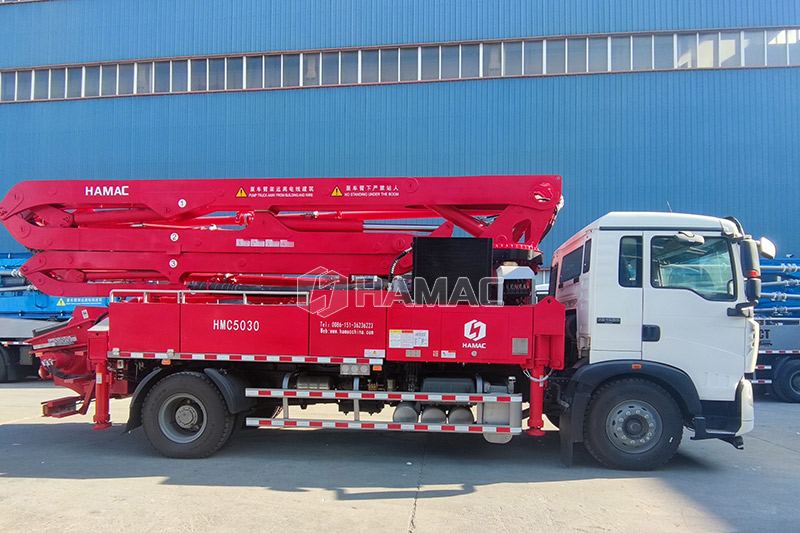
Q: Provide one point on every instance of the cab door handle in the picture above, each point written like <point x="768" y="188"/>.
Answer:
<point x="651" y="333"/>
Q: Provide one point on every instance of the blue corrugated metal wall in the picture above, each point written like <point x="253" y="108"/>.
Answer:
<point x="716" y="142"/>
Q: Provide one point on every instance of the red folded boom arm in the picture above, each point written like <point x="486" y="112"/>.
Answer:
<point x="94" y="236"/>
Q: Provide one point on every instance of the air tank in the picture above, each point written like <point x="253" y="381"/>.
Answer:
<point x="405" y="412"/>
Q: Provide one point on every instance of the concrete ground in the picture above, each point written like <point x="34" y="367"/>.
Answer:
<point x="59" y="475"/>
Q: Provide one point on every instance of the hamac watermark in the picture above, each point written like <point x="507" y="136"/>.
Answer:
<point x="329" y="293"/>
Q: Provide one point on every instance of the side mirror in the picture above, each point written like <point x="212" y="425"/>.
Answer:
<point x="689" y="238"/>
<point x="752" y="289"/>
<point x="766" y="248"/>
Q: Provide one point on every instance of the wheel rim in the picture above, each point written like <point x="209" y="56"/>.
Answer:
<point x="182" y="418"/>
<point x="794" y="382"/>
<point x="634" y="426"/>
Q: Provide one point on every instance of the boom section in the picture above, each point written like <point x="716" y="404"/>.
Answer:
<point x="91" y="237"/>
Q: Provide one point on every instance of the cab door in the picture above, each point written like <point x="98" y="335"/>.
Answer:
<point x="615" y="316"/>
<point x="690" y="283"/>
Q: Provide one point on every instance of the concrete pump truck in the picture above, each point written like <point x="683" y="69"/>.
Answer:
<point x="234" y="302"/>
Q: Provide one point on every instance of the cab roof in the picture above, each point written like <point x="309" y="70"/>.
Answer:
<point x="659" y="220"/>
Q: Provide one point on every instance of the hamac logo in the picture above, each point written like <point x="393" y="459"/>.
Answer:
<point x="475" y="330"/>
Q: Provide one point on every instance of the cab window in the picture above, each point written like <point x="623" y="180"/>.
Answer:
<point x="630" y="262"/>
<point x="705" y="269"/>
<point x="571" y="266"/>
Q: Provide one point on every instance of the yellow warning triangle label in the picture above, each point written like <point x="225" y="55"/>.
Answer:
<point x="241" y="193"/>
<point x="337" y="191"/>
<point x="60" y="302"/>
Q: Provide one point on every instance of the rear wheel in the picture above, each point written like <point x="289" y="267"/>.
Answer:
<point x="633" y="424"/>
<point x="185" y="416"/>
<point x="786" y="383"/>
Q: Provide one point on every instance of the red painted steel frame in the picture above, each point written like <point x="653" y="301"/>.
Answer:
<point x="94" y="236"/>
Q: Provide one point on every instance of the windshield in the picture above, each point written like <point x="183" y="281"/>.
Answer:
<point x="705" y="268"/>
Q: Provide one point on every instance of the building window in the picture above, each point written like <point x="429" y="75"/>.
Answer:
<point x="534" y="54"/>
<point x="58" y="81"/>
<point x="729" y="50"/>
<point x="450" y="62"/>
<point x="707" y="50"/>
<point x="199" y="74"/>
<point x="9" y="83"/>
<point x="91" y="81"/>
<point x="161" y="82"/>
<point x="272" y="71"/>
<point x="793" y="42"/>
<point x="777" y="55"/>
<point x="389" y="65"/>
<point x="576" y="55"/>
<point x="180" y="76"/>
<point x="620" y="53"/>
<point x="753" y="48"/>
<point x="234" y="73"/>
<point x="291" y="70"/>
<point x="663" y="52"/>
<point x="41" y="84"/>
<point x="409" y="66"/>
<point x="512" y="59"/>
<point x="255" y="72"/>
<point x="330" y="68"/>
<point x="311" y="69"/>
<point x="144" y="78"/>
<point x="430" y="62"/>
<point x="349" y="66"/>
<point x="216" y="74"/>
<point x="555" y="50"/>
<point x="109" y="80"/>
<point x="470" y="61"/>
<point x="492" y="60"/>
<point x="687" y="51"/>
<point x="125" y="79"/>
<point x="370" y="67"/>
<point x="598" y="54"/>
<point x="642" y="52"/>
<point x="74" y="80"/>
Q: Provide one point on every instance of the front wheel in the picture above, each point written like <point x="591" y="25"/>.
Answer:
<point x="185" y="416"/>
<point x="633" y="424"/>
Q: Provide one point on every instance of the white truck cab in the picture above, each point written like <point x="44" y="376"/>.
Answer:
<point x="660" y="333"/>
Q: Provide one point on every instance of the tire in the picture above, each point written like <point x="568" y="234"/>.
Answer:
<point x="616" y="430"/>
<point x="786" y="382"/>
<point x="185" y="416"/>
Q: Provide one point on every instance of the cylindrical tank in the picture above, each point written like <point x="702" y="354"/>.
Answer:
<point x="405" y="412"/>
<point x="433" y="415"/>
<point x="460" y="415"/>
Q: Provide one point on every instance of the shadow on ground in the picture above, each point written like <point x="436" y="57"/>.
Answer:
<point x="298" y="460"/>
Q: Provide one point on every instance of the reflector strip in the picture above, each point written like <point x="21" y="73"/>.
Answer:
<point x="761" y="381"/>
<point x="779" y="352"/>
<point x="763" y="367"/>
<point x="384" y="396"/>
<point x="379" y="426"/>
<point x="245" y="358"/>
